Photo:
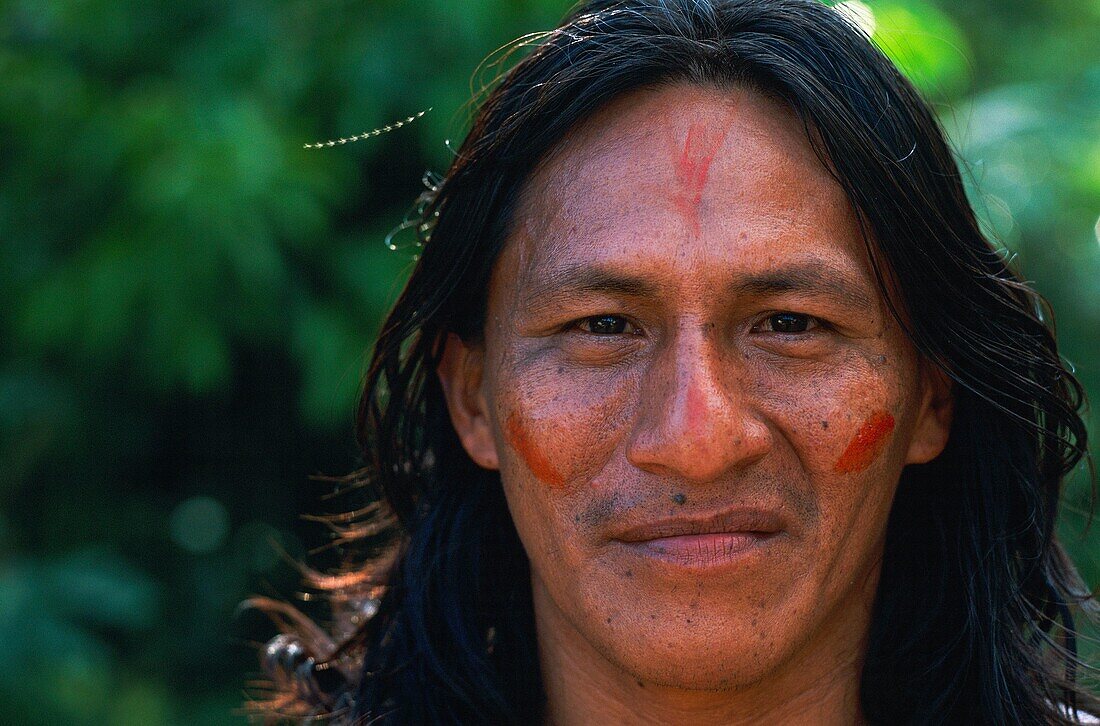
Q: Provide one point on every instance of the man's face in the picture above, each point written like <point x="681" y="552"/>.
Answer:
<point x="696" y="397"/>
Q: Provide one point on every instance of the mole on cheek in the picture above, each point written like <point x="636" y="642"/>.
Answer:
<point x="867" y="444"/>
<point x="533" y="456"/>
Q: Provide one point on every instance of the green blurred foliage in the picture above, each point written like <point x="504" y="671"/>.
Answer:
<point x="188" y="294"/>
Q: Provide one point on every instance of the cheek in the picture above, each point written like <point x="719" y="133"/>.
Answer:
<point x="562" y="430"/>
<point x="846" y="425"/>
<point x="533" y="449"/>
<point x="867" y="444"/>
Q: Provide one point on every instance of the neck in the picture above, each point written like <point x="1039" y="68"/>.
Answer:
<point x="583" y="686"/>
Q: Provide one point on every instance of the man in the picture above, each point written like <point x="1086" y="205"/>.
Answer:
<point x="700" y="406"/>
<point x="707" y="403"/>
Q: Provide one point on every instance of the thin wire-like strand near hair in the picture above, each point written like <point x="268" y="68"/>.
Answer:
<point x="367" y="134"/>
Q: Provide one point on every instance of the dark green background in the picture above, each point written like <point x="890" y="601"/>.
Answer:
<point x="187" y="295"/>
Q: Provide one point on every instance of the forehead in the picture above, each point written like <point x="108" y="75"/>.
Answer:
<point x="718" y="178"/>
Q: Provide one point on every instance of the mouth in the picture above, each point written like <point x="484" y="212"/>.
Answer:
<point x="705" y="541"/>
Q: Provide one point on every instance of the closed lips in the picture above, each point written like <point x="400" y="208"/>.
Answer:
<point x="740" y="521"/>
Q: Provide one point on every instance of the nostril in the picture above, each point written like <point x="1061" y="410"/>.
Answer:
<point x="703" y="454"/>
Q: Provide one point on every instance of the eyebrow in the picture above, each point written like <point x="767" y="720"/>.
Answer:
<point x="815" y="278"/>
<point x="580" y="279"/>
<point x="811" y="278"/>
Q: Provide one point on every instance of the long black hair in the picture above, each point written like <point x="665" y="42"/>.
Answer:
<point x="973" y="620"/>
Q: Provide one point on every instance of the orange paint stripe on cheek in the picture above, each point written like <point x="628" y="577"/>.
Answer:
<point x="532" y="455"/>
<point x="867" y="444"/>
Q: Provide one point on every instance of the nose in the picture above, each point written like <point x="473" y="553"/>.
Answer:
<point x="695" y="423"/>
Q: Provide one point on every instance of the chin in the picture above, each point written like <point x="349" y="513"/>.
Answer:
<point x="697" y="653"/>
<point x="688" y="671"/>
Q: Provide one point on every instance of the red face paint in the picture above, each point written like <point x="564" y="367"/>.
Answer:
<point x="535" y="459"/>
<point x="691" y="171"/>
<point x="867" y="444"/>
<point x="694" y="408"/>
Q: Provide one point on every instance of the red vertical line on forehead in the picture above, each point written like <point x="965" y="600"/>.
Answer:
<point x="692" y="169"/>
<point x="867" y="444"/>
<point x="532" y="455"/>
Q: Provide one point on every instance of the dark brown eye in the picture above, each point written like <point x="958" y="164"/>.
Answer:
<point x="789" y="323"/>
<point x="606" y="325"/>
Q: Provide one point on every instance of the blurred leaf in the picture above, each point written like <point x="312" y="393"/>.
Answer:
<point x="925" y="43"/>
<point x="332" y="352"/>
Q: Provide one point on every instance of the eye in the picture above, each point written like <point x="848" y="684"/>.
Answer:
<point x="607" y="325"/>
<point x="786" y="322"/>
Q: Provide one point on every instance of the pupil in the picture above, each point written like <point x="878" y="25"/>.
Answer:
<point x="608" y="325"/>
<point x="789" y="323"/>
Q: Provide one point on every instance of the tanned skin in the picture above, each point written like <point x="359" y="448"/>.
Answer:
<point x="700" y="408"/>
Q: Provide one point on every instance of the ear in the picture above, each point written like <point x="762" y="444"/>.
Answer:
<point x="460" y="372"/>
<point x="937" y="410"/>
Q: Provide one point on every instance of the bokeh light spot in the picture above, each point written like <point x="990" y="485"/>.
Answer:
<point x="199" y="524"/>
